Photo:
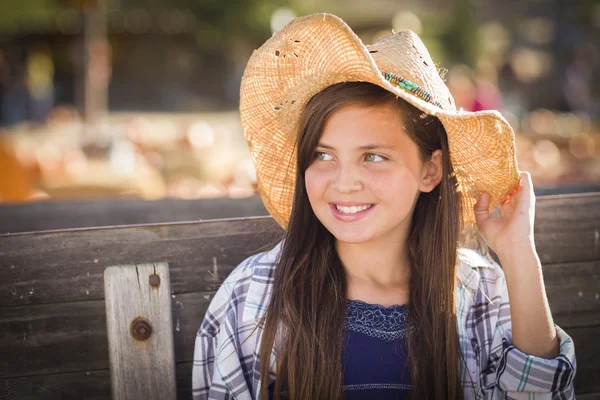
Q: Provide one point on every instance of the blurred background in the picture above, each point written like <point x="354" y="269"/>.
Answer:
<point x="139" y="98"/>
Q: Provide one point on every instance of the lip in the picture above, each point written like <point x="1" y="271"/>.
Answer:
<point x="350" y="217"/>
<point x="350" y="204"/>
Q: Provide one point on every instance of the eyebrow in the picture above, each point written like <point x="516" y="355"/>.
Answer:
<point x="365" y="147"/>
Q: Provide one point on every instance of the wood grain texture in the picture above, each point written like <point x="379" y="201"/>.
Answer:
<point x="567" y="228"/>
<point x="44" y="267"/>
<point x="84" y="346"/>
<point x="573" y="292"/>
<point x="53" y="317"/>
<point x="68" y="337"/>
<point x="96" y="384"/>
<point x="589" y="396"/>
<point x="89" y="385"/>
<point x="49" y="267"/>
<point x="54" y="215"/>
<point x="142" y="359"/>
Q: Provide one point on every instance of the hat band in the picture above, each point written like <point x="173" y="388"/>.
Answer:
<point x="411" y="87"/>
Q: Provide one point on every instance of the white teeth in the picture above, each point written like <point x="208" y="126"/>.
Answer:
<point x="351" y="210"/>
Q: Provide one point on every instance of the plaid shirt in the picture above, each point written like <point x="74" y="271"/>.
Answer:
<point x="495" y="369"/>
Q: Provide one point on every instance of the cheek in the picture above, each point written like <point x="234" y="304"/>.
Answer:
<point x="315" y="183"/>
<point x="397" y="186"/>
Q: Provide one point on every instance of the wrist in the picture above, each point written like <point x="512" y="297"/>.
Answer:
<point x="516" y="247"/>
<point x="518" y="255"/>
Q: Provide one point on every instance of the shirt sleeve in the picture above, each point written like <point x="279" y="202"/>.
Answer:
<point x="218" y="335"/>
<point x="203" y="366"/>
<point x="506" y="370"/>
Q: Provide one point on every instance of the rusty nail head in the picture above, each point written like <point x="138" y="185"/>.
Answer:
<point x="141" y="329"/>
<point x="154" y="280"/>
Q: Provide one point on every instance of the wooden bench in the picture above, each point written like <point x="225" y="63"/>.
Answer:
<point x="54" y="215"/>
<point x="53" y="309"/>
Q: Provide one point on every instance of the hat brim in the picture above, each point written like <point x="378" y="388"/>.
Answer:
<point x="317" y="51"/>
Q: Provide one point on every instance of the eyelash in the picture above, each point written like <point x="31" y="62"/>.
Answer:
<point x="383" y="158"/>
<point x="320" y="153"/>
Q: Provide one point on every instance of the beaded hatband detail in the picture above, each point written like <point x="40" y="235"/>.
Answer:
<point x="411" y="87"/>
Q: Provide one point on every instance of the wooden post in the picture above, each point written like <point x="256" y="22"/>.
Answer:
<point x="140" y="331"/>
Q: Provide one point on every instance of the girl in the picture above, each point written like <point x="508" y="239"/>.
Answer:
<point x="363" y="158"/>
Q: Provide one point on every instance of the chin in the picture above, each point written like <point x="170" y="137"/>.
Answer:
<point x="354" y="235"/>
<point x="351" y="240"/>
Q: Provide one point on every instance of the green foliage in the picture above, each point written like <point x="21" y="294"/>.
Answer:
<point x="216" y="20"/>
<point x="460" y="39"/>
<point x="27" y="16"/>
<point x="219" y="20"/>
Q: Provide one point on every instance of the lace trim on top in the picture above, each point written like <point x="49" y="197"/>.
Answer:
<point x="375" y="320"/>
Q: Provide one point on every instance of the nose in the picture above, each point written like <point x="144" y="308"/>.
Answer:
<point x="347" y="179"/>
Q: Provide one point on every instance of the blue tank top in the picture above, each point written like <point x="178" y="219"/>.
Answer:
<point x="374" y="356"/>
<point x="374" y="353"/>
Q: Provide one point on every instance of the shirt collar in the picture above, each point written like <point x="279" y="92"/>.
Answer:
<point x="261" y="284"/>
<point x="469" y="261"/>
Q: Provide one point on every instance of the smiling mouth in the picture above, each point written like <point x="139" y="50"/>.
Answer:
<point x="352" y="209"/>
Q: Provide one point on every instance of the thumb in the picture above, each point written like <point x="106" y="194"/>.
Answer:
<point x="481" y="208"/>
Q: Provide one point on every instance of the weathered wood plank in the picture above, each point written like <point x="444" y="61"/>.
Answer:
<point x="573" y="292"/>
<point x="54" y="215"/>
<point x="587" y="379"/>
<point x="199" y="262"/>
<point x="46" y="267"/>
<point x="38" y="271"/>
<point x="66" y="386"/>
<point x="567" y="228"/>
<point x="89" y="385"/>
<point x="589" y="396"/>
<point x="96" y="384"/>
<point x="53" y="338"/>
<point x="140" y="331"/>
<point x="68" y="337"/>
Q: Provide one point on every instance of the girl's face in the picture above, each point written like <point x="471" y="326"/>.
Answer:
<point x="366" y="175"/>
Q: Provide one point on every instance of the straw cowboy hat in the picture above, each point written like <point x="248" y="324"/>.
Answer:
<point x="316" y="51"/>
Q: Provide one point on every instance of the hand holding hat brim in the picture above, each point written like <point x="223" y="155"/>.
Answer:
<point x="314" y="52"/>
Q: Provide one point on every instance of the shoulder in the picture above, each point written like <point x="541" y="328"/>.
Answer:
<point x="475" y="259"/>
<point x="479" y="272"/>
<point x="258" y="264"/>
<point x="243" y="293"/>
<point x="482" y="295"/>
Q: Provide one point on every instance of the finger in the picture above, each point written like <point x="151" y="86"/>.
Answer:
<point x="525" y="182"/>
<point x="481" y="208"/>
<point x="512" y="196"/>
<point x="525" y="197"/>
<point x="508" y="207"/>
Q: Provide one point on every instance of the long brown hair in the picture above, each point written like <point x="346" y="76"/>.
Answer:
<point x="308" y="302"/>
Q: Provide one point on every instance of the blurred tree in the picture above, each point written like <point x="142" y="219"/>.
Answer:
<point x="460" y="39"/>
<point x="229" y="28"/>
<point x="219" y="21"/>
<point x="95" y="63"/>
<point x="18" y="16"/>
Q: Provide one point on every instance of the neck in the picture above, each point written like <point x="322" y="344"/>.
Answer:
<point x="381" y="263"/>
